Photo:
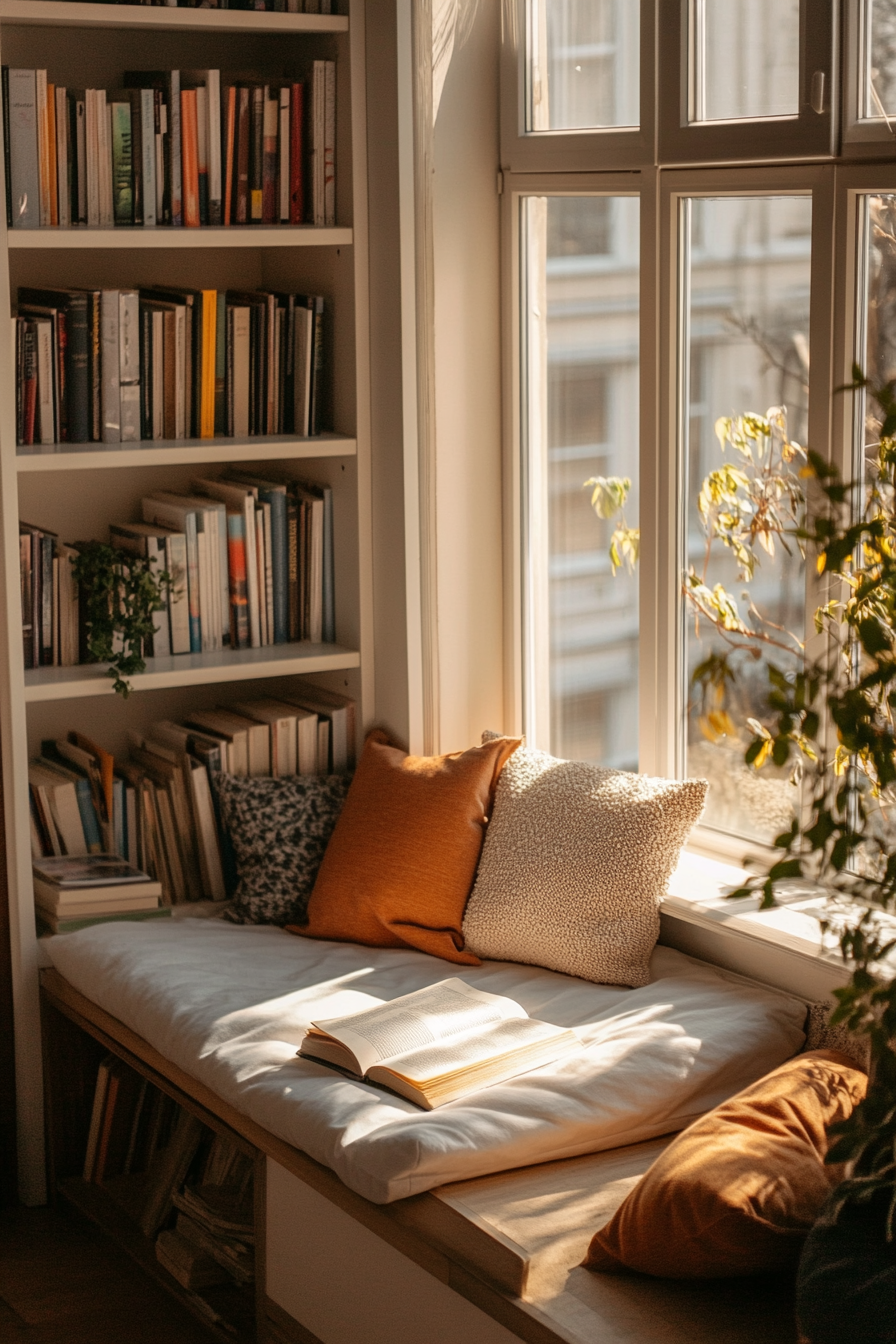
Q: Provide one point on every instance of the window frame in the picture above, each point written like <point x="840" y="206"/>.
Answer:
<point x="807" y="135"/>
<point x="835" y="297"/>
<point x="861" y="137"/>
<point x="587" y="150"/>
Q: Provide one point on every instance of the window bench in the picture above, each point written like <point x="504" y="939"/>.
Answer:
<point x="485" y="1261"/>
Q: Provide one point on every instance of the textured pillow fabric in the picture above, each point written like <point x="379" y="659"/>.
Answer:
<point x="403" y="856"/>
<point x="279" y="829"/>
<point x="737" y="1191"/>
<point x="575" y="863"/>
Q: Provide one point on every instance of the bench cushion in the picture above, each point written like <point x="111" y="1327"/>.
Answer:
<point x="229" y="1005"/>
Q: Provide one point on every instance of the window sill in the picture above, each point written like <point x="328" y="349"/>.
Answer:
<point x="782" y="947"/>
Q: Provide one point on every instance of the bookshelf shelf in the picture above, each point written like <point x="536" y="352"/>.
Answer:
<point x="63" y="14"/>
<point x="246" y="236"/>
<point x="175" y="452"/>
<point x="192" y="669"/>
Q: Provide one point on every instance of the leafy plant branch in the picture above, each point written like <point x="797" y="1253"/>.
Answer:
<point x="120" y="595"/>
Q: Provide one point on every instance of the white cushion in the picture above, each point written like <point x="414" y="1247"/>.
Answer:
<point x="575" y="863"/>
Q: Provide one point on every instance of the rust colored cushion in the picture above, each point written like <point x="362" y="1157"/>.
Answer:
<point x="401" y="861"/>
<point x="737" y="1191"/>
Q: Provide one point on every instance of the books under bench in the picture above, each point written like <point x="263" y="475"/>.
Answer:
<point x="125" y="365"/>
<point x="245" y="562"/>
<point x="189" y="1191"/>
<point x="172" y="147"/>
<point x="158" y="810"/>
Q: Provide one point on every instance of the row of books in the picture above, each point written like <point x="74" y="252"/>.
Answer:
<point x="271" y="6"/>
<point x="158" y="809"/>
<point x="189" y="1190"/>
<point x="244" y="563"/>
<point x="172" y="147"/>
<point x="121" y="365"/>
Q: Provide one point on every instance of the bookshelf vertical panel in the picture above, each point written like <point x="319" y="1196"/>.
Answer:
<point x="81" y="45"/>
<point x="23" y="941"/>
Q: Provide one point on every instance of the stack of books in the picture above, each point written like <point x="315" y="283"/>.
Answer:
<point x="249" y="560"/>
<point x="71" y="893"/>
<point x="158" y="811"/>
<point x="121" y="365"/>
<point x="171" y="147"/>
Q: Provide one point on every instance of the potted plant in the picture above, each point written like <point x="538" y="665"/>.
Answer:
<point x="119" y="596"/>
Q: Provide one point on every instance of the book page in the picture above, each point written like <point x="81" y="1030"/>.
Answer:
<point x="463" y="1052"/>
<point x="419" y="1019"/>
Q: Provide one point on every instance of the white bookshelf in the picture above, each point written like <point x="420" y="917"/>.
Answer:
<point x="78" y="489"/>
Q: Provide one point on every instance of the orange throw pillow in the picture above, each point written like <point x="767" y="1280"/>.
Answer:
<point x="402" y="858"/>
<point x="737" y="1191"/>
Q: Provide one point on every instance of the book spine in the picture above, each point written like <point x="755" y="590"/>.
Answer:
<point x="178" y="598"/>
<point x="228" y="211"/>
<point x="145" y="373"/>
<point x="45" y="427"/>
<point x="104" y="126"/>
<point x="43" y="146"/>
<point x="318" y="80"/>
<point x="7" y="136"/>
<point x="51" y="150"/>
<point x="190" y="159"/>
<point x="270" y="121"/>
<point x="129" y="364"/>
<point x="122" y="165"/>
<point x="95" y="372"/>
<point x="317" y="369"/>
<point x="63" y="159"/>
<point x="209" y="332"/>
<point x="330" y="144"/>
<point x="77" y="368"/>
<point x="24" y="163"/>
<point x="135" y="102"/>
<point x="238" y="583"/>
<point x="202" y="152"/>
<point x="283" y="162"/>
<point x="241" y="371"/>
<point x="244" y="130"/>
<point x="292" y="527"/>
<point x="79" y="108"/>
<point x="256" y="161"/>
<point x="158" y="375"/>
<point x="111" y="386"/>
<point x="175" y="164"/>
<point x="46" y="602"/>
<point x="148" y="155"/>
<point x="163" y="159"/>
<point x="29" y="381"/>
<point x="215" y="185"/>
<point x="220" y="410"/>
<point x="328" y="631"/>
<point x="91" y="133"/>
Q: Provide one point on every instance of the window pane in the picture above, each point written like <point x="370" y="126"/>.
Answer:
<point x="879" y="356"/>
<point x="581" y="373"/>
<point x="583" y="64"/>
<point x="746" y="292"/>
<point x="746" y="59"/>
<point x="880" y="58"/>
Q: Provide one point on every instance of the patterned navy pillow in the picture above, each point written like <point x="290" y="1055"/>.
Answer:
<point x="279" y="829"/>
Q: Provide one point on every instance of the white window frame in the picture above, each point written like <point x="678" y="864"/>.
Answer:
<point x="810" y="134"/>
<point x="862" y="137"/>
<point x="835" y="296"/>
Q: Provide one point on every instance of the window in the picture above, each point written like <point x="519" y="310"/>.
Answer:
<point x="655" y="301"/>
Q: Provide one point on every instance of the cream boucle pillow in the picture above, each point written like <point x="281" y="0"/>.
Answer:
<point x="575" y="863"/>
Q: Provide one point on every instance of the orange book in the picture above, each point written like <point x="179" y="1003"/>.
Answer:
<point x="229" y="210"/>
<point x="190" y="157"/>
<point x="207" y="389"/>
<point x="51" y="149"/>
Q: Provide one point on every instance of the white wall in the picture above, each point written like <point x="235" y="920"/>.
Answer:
<point x="468" y="391"/>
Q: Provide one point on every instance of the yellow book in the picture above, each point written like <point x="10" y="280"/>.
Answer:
<point x="207" y="399"/>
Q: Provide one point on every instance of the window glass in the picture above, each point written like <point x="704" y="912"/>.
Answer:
<point x="746" y="297"/>
<point x="880" y="58"/>
<point x="581" y="371"/>
<point x="583" y="64"/>
<point x="878" y="359"/>
<point x="745" y="56"/>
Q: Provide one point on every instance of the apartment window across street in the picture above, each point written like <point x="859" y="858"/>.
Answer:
<point x="693" y="266"/>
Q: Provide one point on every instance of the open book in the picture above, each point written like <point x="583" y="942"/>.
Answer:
<point x="438" y="1043"/>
